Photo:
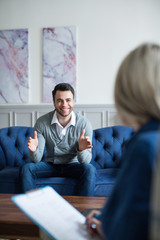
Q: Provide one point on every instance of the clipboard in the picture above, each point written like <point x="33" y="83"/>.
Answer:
<point x="55" y="217"/>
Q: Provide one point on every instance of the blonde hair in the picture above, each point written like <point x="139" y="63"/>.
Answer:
<point x="137" y="86"/>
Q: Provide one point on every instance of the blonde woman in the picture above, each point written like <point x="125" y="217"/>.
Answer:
<point x="126" y="216"/>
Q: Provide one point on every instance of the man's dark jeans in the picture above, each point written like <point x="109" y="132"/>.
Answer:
<point x="85" y="173"/>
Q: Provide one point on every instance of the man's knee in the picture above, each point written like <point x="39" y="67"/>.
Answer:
<point x="89" y="169"/>
<point x="26" y="167"/>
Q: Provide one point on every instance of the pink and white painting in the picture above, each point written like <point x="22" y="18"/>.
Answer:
<point x="14" y="86"/>
<point x="59" y="59"/>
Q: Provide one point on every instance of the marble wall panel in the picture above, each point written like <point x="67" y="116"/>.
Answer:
<point x="14" y="85"/>
<point x="59" y="59"/>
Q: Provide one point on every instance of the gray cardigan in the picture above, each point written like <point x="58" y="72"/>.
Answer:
<point x="61" y="151"/>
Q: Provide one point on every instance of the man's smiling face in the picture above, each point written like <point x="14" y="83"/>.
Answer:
<point x="64" y="102"/>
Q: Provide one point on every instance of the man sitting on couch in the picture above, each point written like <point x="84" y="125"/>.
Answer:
<point x="67" y="138"/>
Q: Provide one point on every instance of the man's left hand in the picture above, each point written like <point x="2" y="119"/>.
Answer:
<point x="84" y="142"/>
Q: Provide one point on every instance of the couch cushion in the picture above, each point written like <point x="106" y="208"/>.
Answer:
<point x="107" y="146"/>
<point x="13" y="146"/>
<point x="105" y="181"/>
<point x="9" y="180"/>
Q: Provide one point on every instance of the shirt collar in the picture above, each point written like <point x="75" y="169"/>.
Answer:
<point x="72" y="121"/>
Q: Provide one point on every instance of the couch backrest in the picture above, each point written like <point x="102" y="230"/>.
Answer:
<point x="13" y="146"/>
<point x="107" y="144"/>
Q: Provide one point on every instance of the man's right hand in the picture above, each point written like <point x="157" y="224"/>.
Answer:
<point x="33" y="142"/>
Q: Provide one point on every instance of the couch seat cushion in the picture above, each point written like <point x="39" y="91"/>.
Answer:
<point x="105" y="181"/>
<point x="9" y="180"/>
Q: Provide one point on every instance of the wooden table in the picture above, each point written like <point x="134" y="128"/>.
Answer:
<point x="14" y="224"/>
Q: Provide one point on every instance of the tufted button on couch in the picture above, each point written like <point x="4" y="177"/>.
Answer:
<point x="108" y="144"/>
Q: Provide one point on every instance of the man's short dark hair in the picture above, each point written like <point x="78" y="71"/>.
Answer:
<point x="62" y="87"/>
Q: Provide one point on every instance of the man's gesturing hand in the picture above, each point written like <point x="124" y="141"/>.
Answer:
<point x="84" y="142"/>
<point x="33" y="142"/>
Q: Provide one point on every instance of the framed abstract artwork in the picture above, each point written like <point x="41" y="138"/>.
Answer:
<point x="14" y="84"/>
<point x="59" y="59"/>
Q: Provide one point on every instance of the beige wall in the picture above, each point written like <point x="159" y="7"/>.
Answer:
<point x="107" y="30"/>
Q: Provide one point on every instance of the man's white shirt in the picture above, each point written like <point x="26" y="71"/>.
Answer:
<point x="60" y="129"/>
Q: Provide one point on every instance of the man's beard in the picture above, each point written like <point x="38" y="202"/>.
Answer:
<point x="63" y="115"/>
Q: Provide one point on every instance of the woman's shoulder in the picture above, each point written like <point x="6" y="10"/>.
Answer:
<point x="144" y="139"/>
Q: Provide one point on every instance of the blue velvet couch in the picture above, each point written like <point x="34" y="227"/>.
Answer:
<point x="106" y="153"/>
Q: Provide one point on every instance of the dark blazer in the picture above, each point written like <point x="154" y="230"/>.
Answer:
<point x="126" y="214"/>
